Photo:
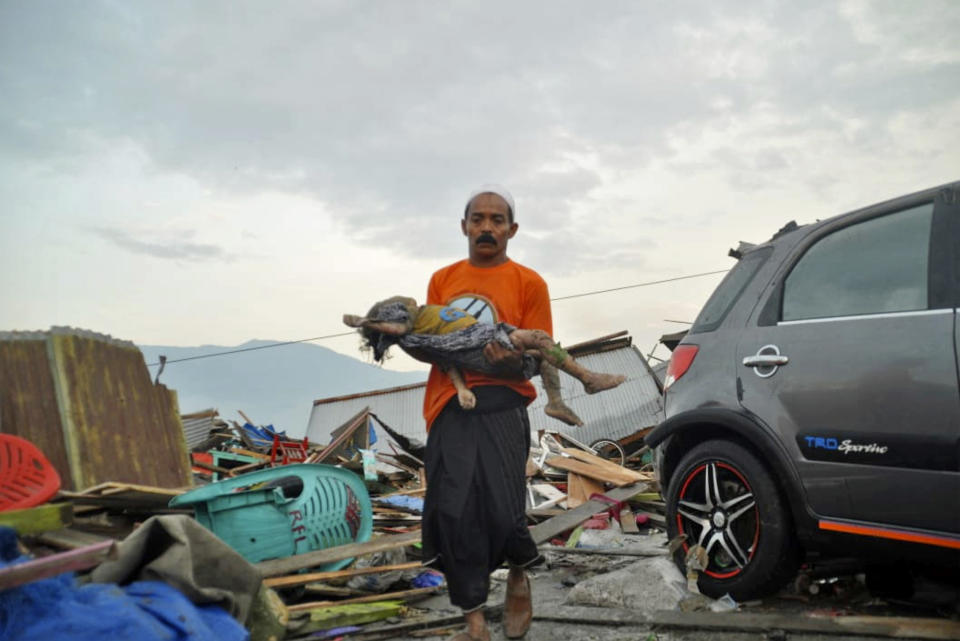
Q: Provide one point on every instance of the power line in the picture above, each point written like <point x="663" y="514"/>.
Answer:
<point x="250" y="349"/>
<point x="653" y="282"/>
<point x="319" y="338"/>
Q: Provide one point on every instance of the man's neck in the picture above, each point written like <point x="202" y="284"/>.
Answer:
<point x="485" y="262"/>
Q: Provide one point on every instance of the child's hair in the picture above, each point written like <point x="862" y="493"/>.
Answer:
<point x="392" y="309"/>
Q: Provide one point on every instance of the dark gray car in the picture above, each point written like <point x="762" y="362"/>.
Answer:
<point x="814" y="405"/>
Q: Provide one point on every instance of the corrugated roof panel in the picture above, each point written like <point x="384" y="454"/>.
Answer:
<point x="87" y="401"/>
<point x="616" y="413"/>
<point x="197" y="427"/>
<point x="613" y="414"/>
<point x="121" y="427"/>
<point x="401" y="409"/>
<point x="28" y="401"/>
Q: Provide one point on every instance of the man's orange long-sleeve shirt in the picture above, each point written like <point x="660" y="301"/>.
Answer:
<point x="508" y="293"/>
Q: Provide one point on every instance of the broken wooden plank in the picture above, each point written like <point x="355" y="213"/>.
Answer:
<point x="344" y="433"/>
<point x="340" y="616"/>
<point x="402" y="595"/>
<point x="628" y="522"/>
<point x="210" y="467"/>
<point x="301" y="579"/>
<point x="249" y="467"/>
<point x="325" y="591"/>
<point x="572" y="518"/>
<point x="71" y="539"/>
<point x="42" y="518"/>
<point x="113" y="494"/>
<point x="48" y="566"/>
<point x="580" y="489"/>
<point x="545" y="512"/>
<point x="592" y="471"/>
<point x="593" y="459"/>
<point x="276" y="567"/>
<point x="389" y="460"/>
<point x="250" y="453"/>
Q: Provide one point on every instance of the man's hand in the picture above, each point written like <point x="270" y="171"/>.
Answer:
<point x="507" y="362"/>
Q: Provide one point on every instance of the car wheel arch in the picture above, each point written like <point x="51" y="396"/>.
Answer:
<point x="687" y="429"/>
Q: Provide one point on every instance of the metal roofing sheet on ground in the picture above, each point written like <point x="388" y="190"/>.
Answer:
<point x="616" y="413"/>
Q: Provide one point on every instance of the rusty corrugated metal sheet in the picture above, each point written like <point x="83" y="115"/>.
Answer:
<point x="616" y="413"/>
<point x="114" y="423"/>
<point x="28" y="402"/>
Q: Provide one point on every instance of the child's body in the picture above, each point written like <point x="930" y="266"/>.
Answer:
<point x="453" y="339"/>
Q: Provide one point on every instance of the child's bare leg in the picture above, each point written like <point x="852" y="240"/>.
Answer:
<point x="555" y="406"/>
<point x="467" y="399"/>
<point x="386" y="327"/>
<point x="537" y="339"/>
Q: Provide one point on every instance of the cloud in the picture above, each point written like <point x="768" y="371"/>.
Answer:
<point x="641" y="139"/>
<point x="170" y="248"/>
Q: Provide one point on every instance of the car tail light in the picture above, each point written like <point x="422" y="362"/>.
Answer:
<point x="680" y="362"/>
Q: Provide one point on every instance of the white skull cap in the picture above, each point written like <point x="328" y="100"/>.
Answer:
<point x="499" y="190"/>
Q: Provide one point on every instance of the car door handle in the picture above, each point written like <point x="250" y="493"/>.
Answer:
<point x="765" y="360"/>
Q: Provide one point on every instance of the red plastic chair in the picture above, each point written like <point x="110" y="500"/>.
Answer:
<point x="289" y="451"/>
<point x="26" y="476"/>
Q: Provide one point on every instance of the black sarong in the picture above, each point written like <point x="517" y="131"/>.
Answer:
<point x="474" y="514"/>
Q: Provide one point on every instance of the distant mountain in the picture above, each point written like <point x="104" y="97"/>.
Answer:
<point x="272" y="386"/>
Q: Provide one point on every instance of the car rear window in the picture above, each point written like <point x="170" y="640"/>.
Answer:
<point x="872" y="267"/>
<point x="729" y="290"/>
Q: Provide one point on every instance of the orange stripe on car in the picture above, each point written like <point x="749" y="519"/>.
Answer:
<point x="886" y="533"/>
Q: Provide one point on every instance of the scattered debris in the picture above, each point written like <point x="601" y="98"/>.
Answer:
<point x="599" y="524"/>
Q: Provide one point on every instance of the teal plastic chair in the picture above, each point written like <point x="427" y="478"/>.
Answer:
<point x="282" y="511"/>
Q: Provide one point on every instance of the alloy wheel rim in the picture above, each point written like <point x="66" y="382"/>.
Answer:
<point x="718" y="511"/>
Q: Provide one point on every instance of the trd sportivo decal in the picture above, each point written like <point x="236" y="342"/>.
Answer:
<point x="846" y="446"/>
<point x="888" y="450"/>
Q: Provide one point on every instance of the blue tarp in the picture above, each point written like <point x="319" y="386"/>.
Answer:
<point x="414" y="503"/>
<point x="58" y="608"/>
<point x="263" y="435"/>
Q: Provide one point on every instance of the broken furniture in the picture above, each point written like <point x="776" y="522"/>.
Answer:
<point x="27" y="478"/>
<point x="288" y="451"/>
<point x="279" y="512"/>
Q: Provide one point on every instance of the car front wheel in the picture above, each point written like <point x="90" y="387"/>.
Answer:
<point x="724" y="500"/>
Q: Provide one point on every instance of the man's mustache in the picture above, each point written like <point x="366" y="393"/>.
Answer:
<point x="486" y="238"/>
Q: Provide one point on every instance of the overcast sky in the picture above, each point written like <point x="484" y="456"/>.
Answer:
<point x="189" y="173"/>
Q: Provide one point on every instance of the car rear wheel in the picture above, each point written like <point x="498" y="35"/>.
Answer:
<point x="724" y="500"/>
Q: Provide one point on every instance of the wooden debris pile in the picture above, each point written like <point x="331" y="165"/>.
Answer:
<point x="77" y="530"/>
<point x="564" y="474"/>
